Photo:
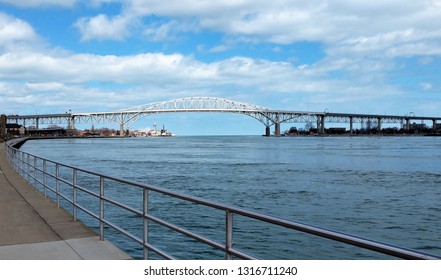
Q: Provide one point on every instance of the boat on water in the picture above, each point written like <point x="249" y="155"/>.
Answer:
<point x="154" y="132"/>
<point x="162" y="132"/>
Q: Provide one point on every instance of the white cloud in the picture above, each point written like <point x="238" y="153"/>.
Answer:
<point x="426" y="86"/>
<point x="220" y="48"/>
<point x="160" y="33"/>
<point x="168" y="31"/>
<point x="394" y="27"/>
<point x="425" y="60"/>
<point x="398" y="43"/>
<point x="144" y="68"/>
<point x="103" y="27"/>
<point x="44" y="87"/>
<point x="358" y="27"/>
<point x="14" y="31"/>
<point x="40" y="3"/>
<point x="20" y="98"/>
<point x="62" y="79"/>
<point x="260" y="16"/>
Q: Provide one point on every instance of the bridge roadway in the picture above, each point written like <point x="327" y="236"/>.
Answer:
<point x="32" y="227"/>
<point x="268" y="117"/>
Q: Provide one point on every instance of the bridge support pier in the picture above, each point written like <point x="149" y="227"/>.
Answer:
<point x="379" y="125"/>
<point x="321" y="124"/>
<point x="71" y="123"/>
<point x="277" y="129"/>
<point x="434" y="126"/>
<point x="351" y="125"/>
<point x="407" y="124"/>
<point x="267" y="131"/>
<point x="121" y="129"/>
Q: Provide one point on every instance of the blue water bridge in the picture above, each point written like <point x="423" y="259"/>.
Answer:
<point x="268" y="117"/>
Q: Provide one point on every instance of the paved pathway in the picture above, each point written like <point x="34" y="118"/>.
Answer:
<point x="33" y="227"/>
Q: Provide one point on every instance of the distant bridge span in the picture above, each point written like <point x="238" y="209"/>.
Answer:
<point x="266" y="116"/>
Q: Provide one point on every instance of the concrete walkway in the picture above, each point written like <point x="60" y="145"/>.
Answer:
<point x="32" y="227"/>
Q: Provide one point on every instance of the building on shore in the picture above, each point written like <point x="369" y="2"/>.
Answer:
<point x="15" y="129"/>
<point x="48" y="132"/>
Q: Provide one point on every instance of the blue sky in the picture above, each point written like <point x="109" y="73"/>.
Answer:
<point x="102" y="55"/>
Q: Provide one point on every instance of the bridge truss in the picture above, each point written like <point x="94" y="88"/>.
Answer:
<point x="266" y="116"/>
<point x="191" y="104"/>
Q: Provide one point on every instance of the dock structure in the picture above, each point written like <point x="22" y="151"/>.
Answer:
<point x="32" y="227"/>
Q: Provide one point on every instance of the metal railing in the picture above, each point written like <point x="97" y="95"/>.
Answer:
<point x="35" y="170"/>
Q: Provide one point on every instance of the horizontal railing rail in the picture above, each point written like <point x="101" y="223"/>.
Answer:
<point x="27" y="165"/>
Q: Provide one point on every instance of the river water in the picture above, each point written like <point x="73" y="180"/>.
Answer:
<point x="382" y="188"/>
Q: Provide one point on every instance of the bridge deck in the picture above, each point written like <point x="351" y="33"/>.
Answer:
<point x="32" y="227"/>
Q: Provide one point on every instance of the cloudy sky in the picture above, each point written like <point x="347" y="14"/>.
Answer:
<point x="361" y="56"/>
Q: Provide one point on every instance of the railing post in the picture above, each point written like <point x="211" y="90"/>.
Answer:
<point x="228" y="234"/>
<point x="74" y="194"/>
<point x="21" y="169"/>
<point x="44" y="178"/>
<point x="145" y="232"/>
<point x="28" y="167"/>
<point x="57" y="174"/>
<point x="19" y="163"/>
<point x="35" y="172"/>
<point x="101" y="208"/>
<point x="16" y="160"/>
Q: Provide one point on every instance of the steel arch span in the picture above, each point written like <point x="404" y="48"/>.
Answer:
<point x="189" y="104"/>
<point x="196" y="103"/>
